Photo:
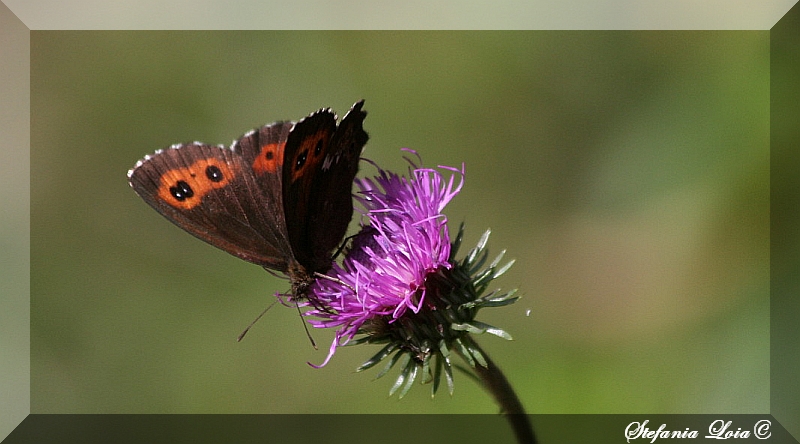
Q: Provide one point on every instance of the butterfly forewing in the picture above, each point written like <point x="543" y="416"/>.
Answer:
<point x="263" y="151"/>
<point x="208" y="191"/>
<point x="306" y="148"/>
<point x="330" y="208"/>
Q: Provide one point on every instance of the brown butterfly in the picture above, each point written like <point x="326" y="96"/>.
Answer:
<point x="279" y="197"/>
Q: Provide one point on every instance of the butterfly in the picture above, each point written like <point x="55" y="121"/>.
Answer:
<point x="279" y="196"/>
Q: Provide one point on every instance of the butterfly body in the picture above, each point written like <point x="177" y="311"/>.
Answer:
<point x="279" y="196"/>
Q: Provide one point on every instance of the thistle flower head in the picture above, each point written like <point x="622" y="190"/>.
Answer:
<point x="400" y="283"/>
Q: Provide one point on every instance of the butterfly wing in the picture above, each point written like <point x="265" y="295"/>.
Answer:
<point x="262" y="150"/>
<point x="211" y="192"/>
<point x="321" y="162"/>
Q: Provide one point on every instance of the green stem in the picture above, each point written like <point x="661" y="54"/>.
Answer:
<point x="496" y="383"/>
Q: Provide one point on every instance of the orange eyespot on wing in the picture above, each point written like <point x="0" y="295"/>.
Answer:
<point x="184" y="188"/>
<point x="269" y="159"/>
<point x="308" y="157"/>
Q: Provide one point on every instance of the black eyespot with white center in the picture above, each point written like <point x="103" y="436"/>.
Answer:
<point x="181" y="191"/>
<point x="213" y="173"/>
<point x="301" y="160"/>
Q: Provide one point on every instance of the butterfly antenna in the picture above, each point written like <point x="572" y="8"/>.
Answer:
<point x="241" y="336"/>
<point x="308" y="333"/>
<point x="333" y="279"/>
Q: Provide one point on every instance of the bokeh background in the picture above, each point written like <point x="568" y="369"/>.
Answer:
<point x="626" y="172"/>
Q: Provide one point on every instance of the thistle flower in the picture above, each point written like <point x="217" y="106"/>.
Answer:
<point x="401" y="285"/>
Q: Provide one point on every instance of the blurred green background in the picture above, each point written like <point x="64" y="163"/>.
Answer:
<point x="626" y="172"/>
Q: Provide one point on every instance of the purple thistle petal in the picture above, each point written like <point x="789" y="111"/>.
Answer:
<point x="384" y="273"/>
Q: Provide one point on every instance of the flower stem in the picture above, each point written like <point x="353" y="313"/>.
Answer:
<point x="496" y="383"/>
